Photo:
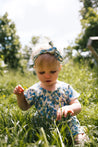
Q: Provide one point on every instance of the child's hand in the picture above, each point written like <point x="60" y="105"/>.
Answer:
<point x="64" y="111"/>
<point x="18" y="90"/>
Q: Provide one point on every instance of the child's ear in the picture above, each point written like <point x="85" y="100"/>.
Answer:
<point x="34" y="66"/>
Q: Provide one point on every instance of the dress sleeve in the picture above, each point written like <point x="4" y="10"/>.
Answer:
<point x="72" y="94"/>
<point x="30" y="96"/>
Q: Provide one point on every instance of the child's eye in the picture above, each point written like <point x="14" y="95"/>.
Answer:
<point x="53" y="72"/>
<point x="41" y="72"/>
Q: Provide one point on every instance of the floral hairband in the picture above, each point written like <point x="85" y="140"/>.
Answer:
<point x="52" y="51"/>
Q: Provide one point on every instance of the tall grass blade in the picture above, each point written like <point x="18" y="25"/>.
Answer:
<point x="44" y="136"/>
<point x="62" y="144"/>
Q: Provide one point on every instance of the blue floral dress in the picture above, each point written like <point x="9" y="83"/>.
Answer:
<point x="48" y="102"/>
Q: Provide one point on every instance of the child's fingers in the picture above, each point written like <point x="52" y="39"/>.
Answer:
<point x="67" y="111"/>
<point x="59" y="114"/>
<point x="18" y="89"/>
<point x="64" y="111"/>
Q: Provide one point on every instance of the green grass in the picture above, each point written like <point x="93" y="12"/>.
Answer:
<point x="18" y="128"/>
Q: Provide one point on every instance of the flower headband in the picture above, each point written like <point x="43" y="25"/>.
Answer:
<point x="52" y="51"/>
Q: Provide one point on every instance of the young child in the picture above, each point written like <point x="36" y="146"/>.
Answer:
<point x="52" y="98"/>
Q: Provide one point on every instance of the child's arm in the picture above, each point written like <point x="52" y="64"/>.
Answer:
<point x="74" y="108"/>
<point x="22" y="103"/>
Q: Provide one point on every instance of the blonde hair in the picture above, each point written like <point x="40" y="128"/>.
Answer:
<point x="48" y="58"/>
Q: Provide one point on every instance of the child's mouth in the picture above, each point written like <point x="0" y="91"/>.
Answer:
<point x="48" y="81"/>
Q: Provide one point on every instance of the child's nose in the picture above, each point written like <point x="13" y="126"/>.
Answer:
<point x="47" y="75"/>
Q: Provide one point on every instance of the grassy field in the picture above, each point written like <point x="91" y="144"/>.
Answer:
<point x="18" y="128"/>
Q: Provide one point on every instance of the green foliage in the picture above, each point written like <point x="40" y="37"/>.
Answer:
<point x="1" y="68"/>
<point x="9" y="42"/>
<point x="89" y="28"/>
<point x="86" y="5"/>
<point x="27" y="51"/>
<point x="89" y="22"/>
<point x="35" y="40"/>
<point x="21" y="128"/>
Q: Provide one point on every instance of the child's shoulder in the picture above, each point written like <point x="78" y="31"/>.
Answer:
<point x="35" y="86"/>
<point x="33" y="90"/>
<point x="62" y="84"/>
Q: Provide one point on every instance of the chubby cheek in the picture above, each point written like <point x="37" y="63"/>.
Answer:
<point x="41" y="78"/>
<point x="55" y="76"/>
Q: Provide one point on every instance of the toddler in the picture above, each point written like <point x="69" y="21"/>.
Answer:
<point x="52" y="98"/>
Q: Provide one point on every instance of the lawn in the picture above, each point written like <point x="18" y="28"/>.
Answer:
<point x="19" y="128"/>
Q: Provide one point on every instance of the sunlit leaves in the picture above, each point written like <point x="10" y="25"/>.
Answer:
<point x="9" y="42"/>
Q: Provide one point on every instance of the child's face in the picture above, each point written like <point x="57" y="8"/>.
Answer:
<point x="48" y="72"/>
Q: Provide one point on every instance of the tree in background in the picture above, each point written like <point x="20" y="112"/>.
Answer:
<point x="89" y="28"/>
<point x="9" y="42"/>
<point x="86" y="4"/>
<point x="27" y="50"/>
<point x="35" y="40"/>
<point x="89" y="22"/>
